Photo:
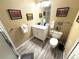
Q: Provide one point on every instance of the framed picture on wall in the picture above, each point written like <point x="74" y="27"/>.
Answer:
<point x="44" y="13"/>
<point x="15" y="14"/>
<point x="29" y="16"/>
<point x="77" y="19"/>
<point x="62" y="12"/>
<point x="40" y="15"/>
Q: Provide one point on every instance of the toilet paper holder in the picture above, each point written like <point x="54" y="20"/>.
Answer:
<point x="24" y="28"/>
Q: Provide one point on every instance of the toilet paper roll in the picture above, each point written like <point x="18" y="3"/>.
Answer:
<point x="24" y="28"/>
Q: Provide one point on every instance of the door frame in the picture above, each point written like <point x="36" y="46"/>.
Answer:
<point x="8" y="42"/>
<point x="72" y="49"/>
<point x="8" y="37"/>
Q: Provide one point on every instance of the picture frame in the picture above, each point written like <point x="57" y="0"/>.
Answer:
<point x="15" y="14"/>
<point x="44" y="13"/>
<point x="62" y="12"/>
<point x="40" y="15"/>
<point x="77" y="19"/>
<point x="29" y="16"/>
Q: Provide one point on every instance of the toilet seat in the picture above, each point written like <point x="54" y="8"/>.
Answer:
<point x="53" y="42"/>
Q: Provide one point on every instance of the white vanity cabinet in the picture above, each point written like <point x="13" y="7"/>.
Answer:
<point x="40" y="31"/>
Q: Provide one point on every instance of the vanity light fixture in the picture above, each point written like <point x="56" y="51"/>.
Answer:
<point x="43" y="4"/>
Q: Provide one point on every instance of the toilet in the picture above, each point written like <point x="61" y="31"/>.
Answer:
<point x="55" y="37"/>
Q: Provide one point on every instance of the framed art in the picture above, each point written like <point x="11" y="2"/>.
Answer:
<point x="29" y="16"/>
<point x="15" y="14"/>
<point x="77" y="19"/>
<point x="44" y="13"/>
<point x="40" y="15"/>
<point x="62" y="12"/>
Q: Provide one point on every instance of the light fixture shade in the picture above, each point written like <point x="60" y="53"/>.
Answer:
<point x="43" y="4"/>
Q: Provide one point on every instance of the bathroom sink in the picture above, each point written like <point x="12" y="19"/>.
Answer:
<point x="40" y="27"/>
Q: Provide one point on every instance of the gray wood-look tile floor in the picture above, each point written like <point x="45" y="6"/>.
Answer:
<point x="41" y="50"/>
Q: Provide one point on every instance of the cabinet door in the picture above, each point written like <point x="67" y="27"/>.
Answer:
<point x="41" y="34"/>
<point x="35" y="31"/>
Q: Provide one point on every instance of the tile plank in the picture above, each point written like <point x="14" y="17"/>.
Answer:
<point x="41" y="50"/>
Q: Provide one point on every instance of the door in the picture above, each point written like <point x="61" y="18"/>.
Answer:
<point x="74" y="36"/>
<point x="75" y="52"/>
<point x="5" y="48"/>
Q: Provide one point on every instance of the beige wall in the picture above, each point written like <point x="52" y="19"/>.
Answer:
<point x="73" y="36"/>
<point x="25" y="6"/>
<point x="67" y="21"/>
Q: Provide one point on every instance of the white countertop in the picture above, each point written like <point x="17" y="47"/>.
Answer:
<point x="40" y="27"/>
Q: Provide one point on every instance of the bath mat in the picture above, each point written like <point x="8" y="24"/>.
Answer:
<point x="27" y="56"/>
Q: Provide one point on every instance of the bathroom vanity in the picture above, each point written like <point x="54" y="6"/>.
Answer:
<point x="40" y="31"/>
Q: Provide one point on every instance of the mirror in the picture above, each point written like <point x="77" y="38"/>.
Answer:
<point x="46" y="7"/>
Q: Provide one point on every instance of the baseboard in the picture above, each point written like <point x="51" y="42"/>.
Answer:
<point x="63" y="56"/>
<point x="23" y="43"/>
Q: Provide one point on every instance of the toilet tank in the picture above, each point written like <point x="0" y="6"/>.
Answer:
<point x="57" y="34"/>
